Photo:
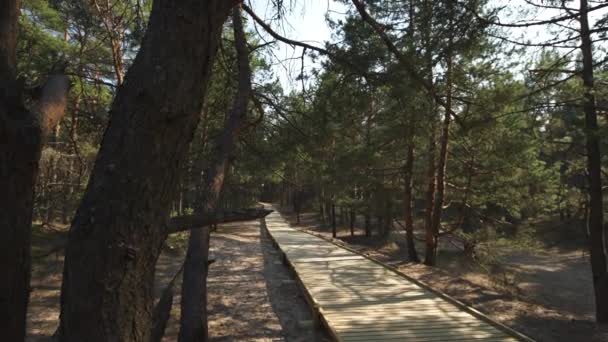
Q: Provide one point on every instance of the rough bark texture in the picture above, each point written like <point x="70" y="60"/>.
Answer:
<point x="119" y="228"/>
<point x="596" y="216"/>
<point x="194" y="288"/>
<point x="15" y="179"/>
<point x="9" y="28"/>
<point x="21" y="135"/>
<point x="19" y="154"/>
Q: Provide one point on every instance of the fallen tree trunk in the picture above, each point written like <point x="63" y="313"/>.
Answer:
<point x="187" y="222"/>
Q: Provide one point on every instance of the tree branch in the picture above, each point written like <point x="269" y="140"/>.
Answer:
<point x="53" y="101"/>
<point x="182" y="223"/>
<point x="554" y="20"/>
<point x="187" y="222"/>
<point x="162" y="310"/>
<point x="403" y="60"/>
<point x="293" y="43"/>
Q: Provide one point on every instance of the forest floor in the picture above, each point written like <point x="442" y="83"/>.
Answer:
<point x="543" y="293"/>
<point x="252" y="294"/>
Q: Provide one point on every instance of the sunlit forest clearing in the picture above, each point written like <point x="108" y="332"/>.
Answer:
<point x="201" y="170"/>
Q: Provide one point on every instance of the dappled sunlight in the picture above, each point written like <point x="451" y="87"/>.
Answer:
<point x="362" y="300"/>
<point x="239" y="301"/>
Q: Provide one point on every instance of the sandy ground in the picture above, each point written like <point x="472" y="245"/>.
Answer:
<point x="553" y="297"/>
<point x="252" y="295"/>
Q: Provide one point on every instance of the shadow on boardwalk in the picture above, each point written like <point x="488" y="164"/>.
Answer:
<point x="556" y="303"/>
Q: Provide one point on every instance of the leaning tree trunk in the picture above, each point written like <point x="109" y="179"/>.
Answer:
<point x="595" y="222"/>
<point x="118" y="231"/>
<point x="22" y="132"/>
<point x="194" y="288"/>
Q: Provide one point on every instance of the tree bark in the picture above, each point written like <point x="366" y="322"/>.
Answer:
<point x="352" y="222"/>
<point x="367" y="223"/>
<point x="321" y="207"/>
<point x="409" y="217"/>
<point x="194" y="288"/>
<point x="333" y="219"/>
<point x="118" y="231"/>
<point x="162" y="310"/>
<point x="595" y="223"/>
<point x="22" y="132"/>
<point x="19" y="155"/>
<point x="188" y="222"/>
<point x="430" y="238"/>
<point x="443" y="158"/>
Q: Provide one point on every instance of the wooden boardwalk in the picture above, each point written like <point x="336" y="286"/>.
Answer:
<point x="360" y="300"/>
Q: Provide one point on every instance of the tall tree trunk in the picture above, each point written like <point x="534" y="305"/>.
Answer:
<point x="595" y="225"/>
<point x="333" y="219"/>
<point x="388" y="215"/>
<point x="194" y="288"/>
<point x="409" y="161"/>
<point x="443" y="157"/>
<point x="73" y="183"/>
<point x="328" y="202"/>
<point x="353" y="215"/>
<point x="296" y="205"/>
<point x="119" y="228"/>
<point x="115" y="31"/>
<point x="117" y="57"/>
<point x="321" y="207"/>
<point x="430" y="238"/>
<point x="19" y="155"/>
<point x="296" y="195"/>
<point x="21" y="136"/>
<point x="367" y="223"/>
<point x="465" y="213"/>
<point x="409" y="217"/>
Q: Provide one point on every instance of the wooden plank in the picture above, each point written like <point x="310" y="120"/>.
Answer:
<point x="430" y="339"/>
<point x="407" y="325"/>
<point x="332" y="260"/>
<point x="370" y="315"/>
<point x="481" y="332"/>
<point x="358" y="299"/>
